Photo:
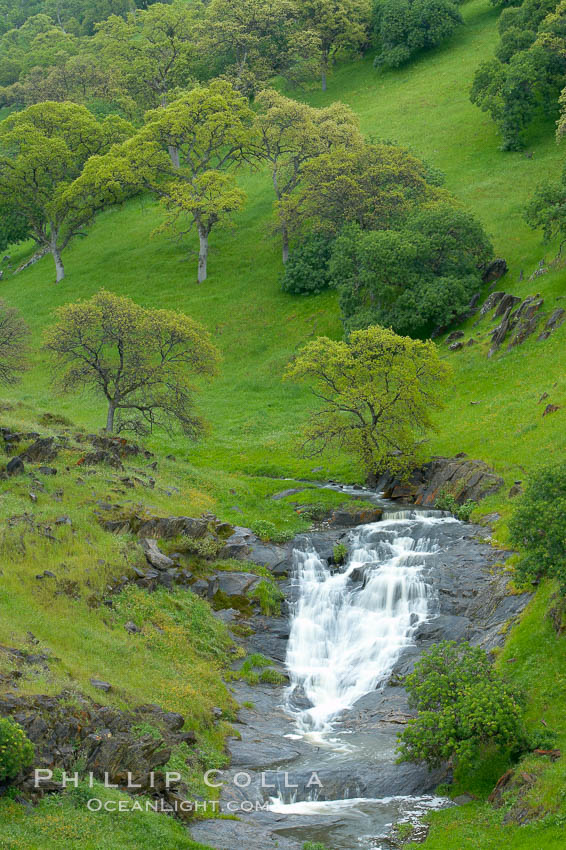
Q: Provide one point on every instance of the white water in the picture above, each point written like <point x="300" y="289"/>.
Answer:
<point x="345" y="638"/>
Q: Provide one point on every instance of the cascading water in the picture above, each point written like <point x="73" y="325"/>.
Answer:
<point x="349" y="627"/>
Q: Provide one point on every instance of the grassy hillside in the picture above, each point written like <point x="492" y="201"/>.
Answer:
<point x="255" y="416"/>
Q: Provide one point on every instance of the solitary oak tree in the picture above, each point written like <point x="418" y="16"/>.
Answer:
<point x="377" y="392"/>
<point x="291" y="134"/>
<point x="142" y="361"/>
<point x="43" y="151"/>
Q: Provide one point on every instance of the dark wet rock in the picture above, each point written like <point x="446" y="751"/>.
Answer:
<point x="550" y="408"/>
<point x="456" y="346"/>
<point x="154" y="555"/>
<point x="43" y="449"/>
<point x="454" y="336"/>
<point x="46" y="470"/>
<point x="506" y="304"/>
<point x="354" y="516"/>
<point x="495" y="270"/>
<point x="554" y="321"/>
<point x="491" y="302"/>
<point x="131" y="627"/>
<point x="15" y="466"/>
<point x="515" y="490"/>
<point x="462" y="477"/>
<point x="227" y="615"/>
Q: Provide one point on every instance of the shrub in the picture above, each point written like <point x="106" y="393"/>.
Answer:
<point x="16" y="750"/>
<point x="404" y="27"/>
<point x="306" y="270"/>
<point x="340" y="554"/>
<point x="269" y="597"/>
<point x="538" y="526"/>
<point x="446" y="502"/>
<point x="462" y="703"/>
<point x="268" y="531"/>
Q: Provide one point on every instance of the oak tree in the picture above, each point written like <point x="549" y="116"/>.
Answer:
<point x="377" y="392"/>
<point x="141" y="361"/>
<point x="43" y="151"/>
<point x="339" y="25"/>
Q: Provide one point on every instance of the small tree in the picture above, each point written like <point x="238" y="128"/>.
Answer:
<point x="13" y="344"/>
<point x="140" y="360"/>
<point x="43" y="151"/>
<point x="538" y="526"/>
<point x="209" y="129"/>
<point x="462" y="704"/>
<point x="378" y="391"/>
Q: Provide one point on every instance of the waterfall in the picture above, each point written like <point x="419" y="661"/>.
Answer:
<point x="349" y="627"/>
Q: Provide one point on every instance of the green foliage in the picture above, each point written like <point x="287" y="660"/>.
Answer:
<point x="255" y="662"/>
<point x="306" y="270"/>
<point x="445" y="501"/>
<point x="141" y="361"/>
<point x="538" y="526"/>
<point x="339" y="554"/>
<point x="43" y="151"/>
<point x="414" y="279"/>
<point x="269" y="597"/>
<point x="16" y="750"/>
<point x="376" y="186"/>
<point x="378" y="391"/>
<point x="339" y="25"/>
<point x="529" y="71"/>
<point x="316" y="845"/>
<point x="546" y="210"/>
<point x="13" y="227"/>
<point x="268" y="531"/>
<point x="462" y="703"/>
<point x="404" y="28"/>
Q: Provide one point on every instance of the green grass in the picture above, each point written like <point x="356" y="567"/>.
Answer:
<point x="255" y="418"/>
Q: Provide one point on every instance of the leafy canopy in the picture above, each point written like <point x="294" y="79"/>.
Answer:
<point x="538" y="526"/>
<point x="462" y="704"/>
<point x="377" y="394"/>
<point x="142" y="361"/>
<point x="413" y="279"/>
<point x="405" y="27"/>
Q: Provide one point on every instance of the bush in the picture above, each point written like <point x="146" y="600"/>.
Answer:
<point x="404" y="27"/>
<point x="306" y="270"/>
<point x="269" y="597"/>
<point x="538" y="527"/>
<point x="446" y="502"/>
<point x="16" y="750"/>
<point x="462" y="703"/>
<point x="268" y="532"/>
<point x="340" y="554"/>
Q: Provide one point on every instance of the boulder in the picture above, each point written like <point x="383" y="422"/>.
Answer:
<point x="356" y="516"/>
<point x="15" y="466"/>
<point x="43" y="449"/>
<point x="554" y="321"/>
<point x="154" y="555"/>
<point x="491" y="302"/>
<point x="495" y="270"/>
<point x="462" y="477"/>
<point x="101" y="685"/>
<point x="235" y="584"/>
<point x="508" y="302"/>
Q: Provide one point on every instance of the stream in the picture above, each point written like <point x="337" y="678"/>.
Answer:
<point x="319" y="753"/>
<point x="349" y="626"/>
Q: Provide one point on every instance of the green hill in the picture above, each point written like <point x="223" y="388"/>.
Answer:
<point x="491" y="408"/>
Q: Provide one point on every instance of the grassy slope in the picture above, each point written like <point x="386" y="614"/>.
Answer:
<point x="254" y="415"/>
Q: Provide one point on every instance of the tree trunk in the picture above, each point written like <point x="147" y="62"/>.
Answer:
<point x="110" y="417"/>
<point x="285" y="241"/>
<point x="202" y="255"/>
<point x="59" y="267"/>
<point x="174" y="155"/>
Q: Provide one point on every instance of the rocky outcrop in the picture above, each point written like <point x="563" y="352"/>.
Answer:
<point x="460" y="476"/>
<point x="519" y="319"/>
